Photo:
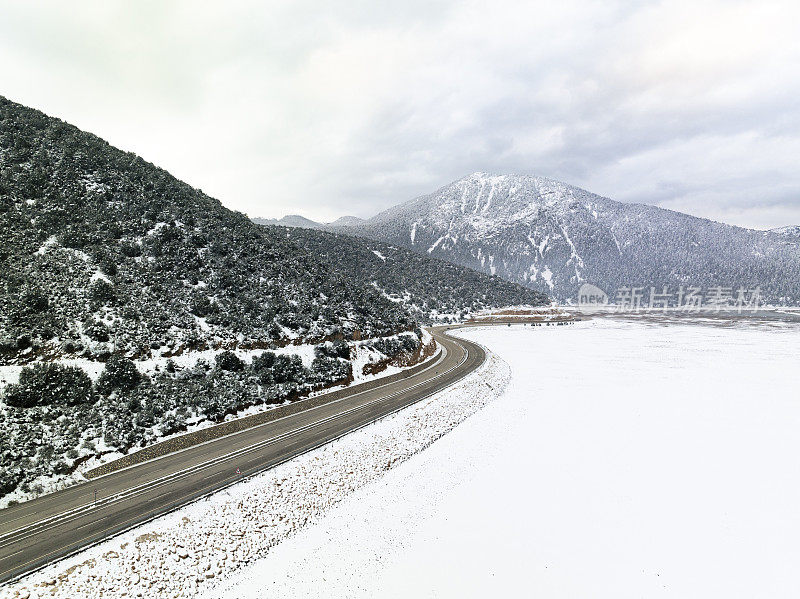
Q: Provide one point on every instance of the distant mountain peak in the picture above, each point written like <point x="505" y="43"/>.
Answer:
<point x="290" y="220"/>
<point x="553" y="236"/>
<point x="296" y="220"/>
<point x="346" y="221"/>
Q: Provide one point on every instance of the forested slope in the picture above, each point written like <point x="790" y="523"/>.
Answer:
<point x="427" y="287"/>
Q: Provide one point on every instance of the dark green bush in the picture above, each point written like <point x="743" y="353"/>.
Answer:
<point x="335" y="349"/>
<point x="228" y="360"/>
<point x="50" y="384"/>
<point x="119" y="374"/>
<point x="102" y="292"/>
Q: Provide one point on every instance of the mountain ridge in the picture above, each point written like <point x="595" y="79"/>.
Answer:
<point x="553" y="237"/>
<point x="299" y="221"/>
<point x="290" y="220"/>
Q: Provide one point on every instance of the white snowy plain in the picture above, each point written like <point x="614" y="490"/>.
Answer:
<point x="624" y="460"/>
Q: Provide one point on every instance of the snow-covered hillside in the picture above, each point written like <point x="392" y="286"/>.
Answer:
<point x="431" y="290"/>
<point x="792" y="231"/>
<point x="553" y="237"/>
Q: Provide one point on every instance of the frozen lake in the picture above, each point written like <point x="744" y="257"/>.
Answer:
<point x="624" y="460"/>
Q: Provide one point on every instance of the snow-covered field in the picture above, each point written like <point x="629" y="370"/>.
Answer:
<point x="624" y="460"/>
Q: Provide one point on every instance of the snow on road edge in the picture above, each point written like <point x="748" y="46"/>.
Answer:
<point x="198" y="546"/>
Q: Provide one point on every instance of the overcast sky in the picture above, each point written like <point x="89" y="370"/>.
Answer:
<point x="326" y="109"/>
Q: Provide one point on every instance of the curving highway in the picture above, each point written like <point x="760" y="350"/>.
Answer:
<point x="37" y="532"/>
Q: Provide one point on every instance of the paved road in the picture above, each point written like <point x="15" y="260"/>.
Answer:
<point x="37" y="532"/>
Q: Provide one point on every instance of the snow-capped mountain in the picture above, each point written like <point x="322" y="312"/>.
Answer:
<point x="553" y="237"/>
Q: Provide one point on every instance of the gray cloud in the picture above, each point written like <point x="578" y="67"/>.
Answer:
<point x="328" y="110"/>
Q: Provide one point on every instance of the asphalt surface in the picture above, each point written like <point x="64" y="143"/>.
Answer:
<point x="40" y="531"/>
